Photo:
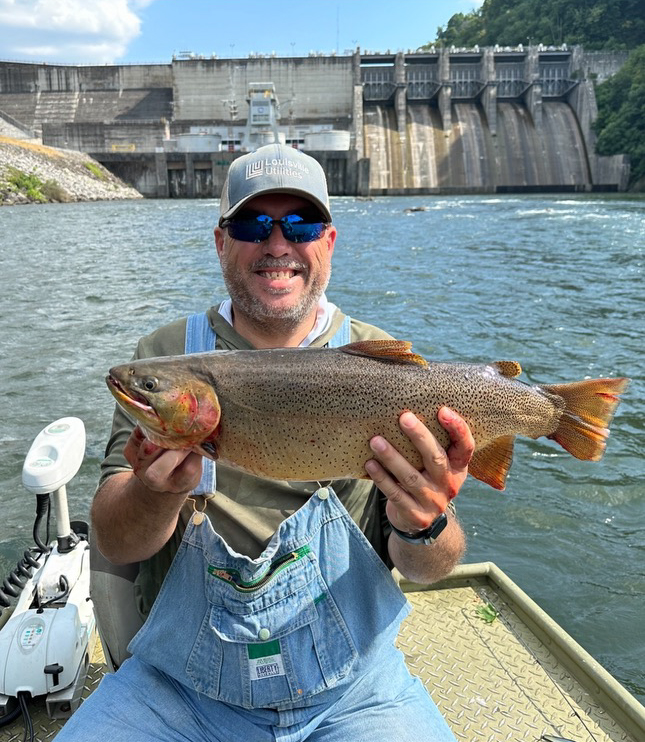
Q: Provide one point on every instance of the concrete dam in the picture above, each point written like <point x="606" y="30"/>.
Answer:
<point x="445" y="121"/>
<point x="469" y="158"/>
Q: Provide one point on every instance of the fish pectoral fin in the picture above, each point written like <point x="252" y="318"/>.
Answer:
<point x="491" y="463"/>
<point x="209" y="449"/>
<point x="510" y="369"/>
<point x="397" y="351"/>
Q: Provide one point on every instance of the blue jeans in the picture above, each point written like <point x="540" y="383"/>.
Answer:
<point x="296" y="644"/>
<point x="141" y="704"/>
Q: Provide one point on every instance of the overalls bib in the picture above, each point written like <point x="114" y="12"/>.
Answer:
<point x="285" y="630"/>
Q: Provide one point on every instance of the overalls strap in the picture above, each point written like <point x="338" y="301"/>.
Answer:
<point x="201" y="338"/>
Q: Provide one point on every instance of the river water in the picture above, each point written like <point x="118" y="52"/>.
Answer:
<point x="554" y="282"/>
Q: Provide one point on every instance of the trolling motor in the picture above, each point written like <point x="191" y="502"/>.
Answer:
<point x="47" y="621"/>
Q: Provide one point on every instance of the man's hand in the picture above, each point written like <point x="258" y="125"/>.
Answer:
<point x="134" y="513"/>
<point x="416" y="498"/>
<point x="160" y="469"/>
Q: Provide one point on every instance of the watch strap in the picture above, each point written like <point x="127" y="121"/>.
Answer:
<point x="427" y="536"/>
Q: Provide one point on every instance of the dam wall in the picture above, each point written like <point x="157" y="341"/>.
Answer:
<point x="489" y="120"/>
<point x="441" y="121"/>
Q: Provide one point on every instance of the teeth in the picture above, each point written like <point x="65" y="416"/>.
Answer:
<point x="277" y="275"/>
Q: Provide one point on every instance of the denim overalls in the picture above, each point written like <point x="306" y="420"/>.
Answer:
<point x="295" y="644"/>
<point x="305" y="618"/>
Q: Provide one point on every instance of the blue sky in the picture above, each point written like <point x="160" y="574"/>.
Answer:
<point x="106" y="31"/>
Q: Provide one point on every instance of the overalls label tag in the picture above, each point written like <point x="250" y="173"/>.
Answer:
<point x="265" y="660"/>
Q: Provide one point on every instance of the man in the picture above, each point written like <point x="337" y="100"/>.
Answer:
<point x="277" y="614"/>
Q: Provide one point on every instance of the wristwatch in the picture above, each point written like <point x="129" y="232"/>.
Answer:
<point x="425" y="537"/>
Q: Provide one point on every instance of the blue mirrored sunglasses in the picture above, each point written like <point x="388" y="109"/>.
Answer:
<point x="258" y="228"/>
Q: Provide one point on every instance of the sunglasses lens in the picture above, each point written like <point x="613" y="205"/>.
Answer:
<point x="258" y="229"/>
<point x="250" y="230"/>
<point x="296" y="230"/>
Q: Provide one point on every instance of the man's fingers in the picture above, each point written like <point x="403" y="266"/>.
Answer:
<point x="432" y="452"/>
<point x="410" y="490"/>
<point x="386" y="483"/>
<point x="174" y="471"/>
<point x="462" y="445"/>
<point x="161" y="469"/>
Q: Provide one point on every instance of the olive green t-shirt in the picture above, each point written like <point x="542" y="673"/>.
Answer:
<point x="245" y="510"/>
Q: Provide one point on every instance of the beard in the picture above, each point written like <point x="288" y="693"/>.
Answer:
<point x="266" y="317"/>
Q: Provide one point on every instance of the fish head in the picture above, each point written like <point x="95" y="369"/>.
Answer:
<point x="173" y="405"/>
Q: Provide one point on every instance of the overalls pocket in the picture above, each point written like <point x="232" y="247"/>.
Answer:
<point x="270" y="641"/>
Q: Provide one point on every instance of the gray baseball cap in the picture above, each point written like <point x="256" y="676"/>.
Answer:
<point x="274" y="168"/>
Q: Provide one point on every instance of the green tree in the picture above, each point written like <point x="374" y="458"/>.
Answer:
<point x="621" y="114"/>
<point x="596" y="24"/>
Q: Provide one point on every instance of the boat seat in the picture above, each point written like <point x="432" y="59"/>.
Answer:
<point x="115" y="606"/>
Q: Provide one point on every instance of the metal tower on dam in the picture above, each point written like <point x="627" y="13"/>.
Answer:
<point x="443" y="121"/>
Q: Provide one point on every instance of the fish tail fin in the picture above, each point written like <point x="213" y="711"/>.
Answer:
<point x="589" y="407"/>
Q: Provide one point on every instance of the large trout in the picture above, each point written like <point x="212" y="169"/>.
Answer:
<point x="308" y="414"/>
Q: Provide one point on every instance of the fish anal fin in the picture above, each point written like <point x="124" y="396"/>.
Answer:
<point x="491" y="463"/>
<point x="397" y="351"/>
<point x="510" y="369"/>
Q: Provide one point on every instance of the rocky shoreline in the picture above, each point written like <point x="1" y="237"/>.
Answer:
<point x="33" y="173"/>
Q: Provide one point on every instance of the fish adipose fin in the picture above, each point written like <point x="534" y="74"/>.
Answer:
<point x="589" y="407"/>
<point x="510" y="369"/>
<point x="491" y="463"/>
<point x="397" y="351"/>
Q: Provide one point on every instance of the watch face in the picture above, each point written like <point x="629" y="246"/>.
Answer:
<point x="435" y="528"/>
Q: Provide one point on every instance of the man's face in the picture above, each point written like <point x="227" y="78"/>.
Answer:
<point x="276" y="282"/>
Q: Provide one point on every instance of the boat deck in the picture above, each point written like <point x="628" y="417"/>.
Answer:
<point x="506" y="673"/>
<point x="516" y="677"/>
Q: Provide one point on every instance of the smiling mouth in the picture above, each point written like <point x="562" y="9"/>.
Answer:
<point x="281" y="275"/>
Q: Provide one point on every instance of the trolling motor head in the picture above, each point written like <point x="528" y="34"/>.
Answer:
<point x="53" y="460"/>
<point x="46" y="632"/>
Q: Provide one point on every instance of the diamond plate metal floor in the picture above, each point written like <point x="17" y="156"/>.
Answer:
<point x="496" y="681"/>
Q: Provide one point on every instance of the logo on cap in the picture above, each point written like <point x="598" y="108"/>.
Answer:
<point x="254" y="169"/>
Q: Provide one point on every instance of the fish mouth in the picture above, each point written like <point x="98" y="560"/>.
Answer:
<point x="132" y="399"/>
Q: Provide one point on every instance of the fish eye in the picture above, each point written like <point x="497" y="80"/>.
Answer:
<point x="150" y="384"/>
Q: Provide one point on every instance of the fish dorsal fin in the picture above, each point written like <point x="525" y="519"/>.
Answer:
<point x="491" y="463"/>
<point x="397" y="351"/>
<point x="510" y="369"/>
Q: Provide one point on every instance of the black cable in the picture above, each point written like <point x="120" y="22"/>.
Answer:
<point x="8" y="718"/>
<point x="43" y="507"/>
<point x="29" y="726"/>
<point x="63" y="584"/>
<point x="17" y="578"/>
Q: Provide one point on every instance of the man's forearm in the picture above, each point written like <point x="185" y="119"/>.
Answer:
<point x="130" y="522"/>
<point x="426" y="564"/>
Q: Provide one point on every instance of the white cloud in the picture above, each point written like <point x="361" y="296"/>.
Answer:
<point x="93" y="31"/>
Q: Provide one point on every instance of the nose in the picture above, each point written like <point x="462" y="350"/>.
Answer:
<point x="277" y="244"/>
